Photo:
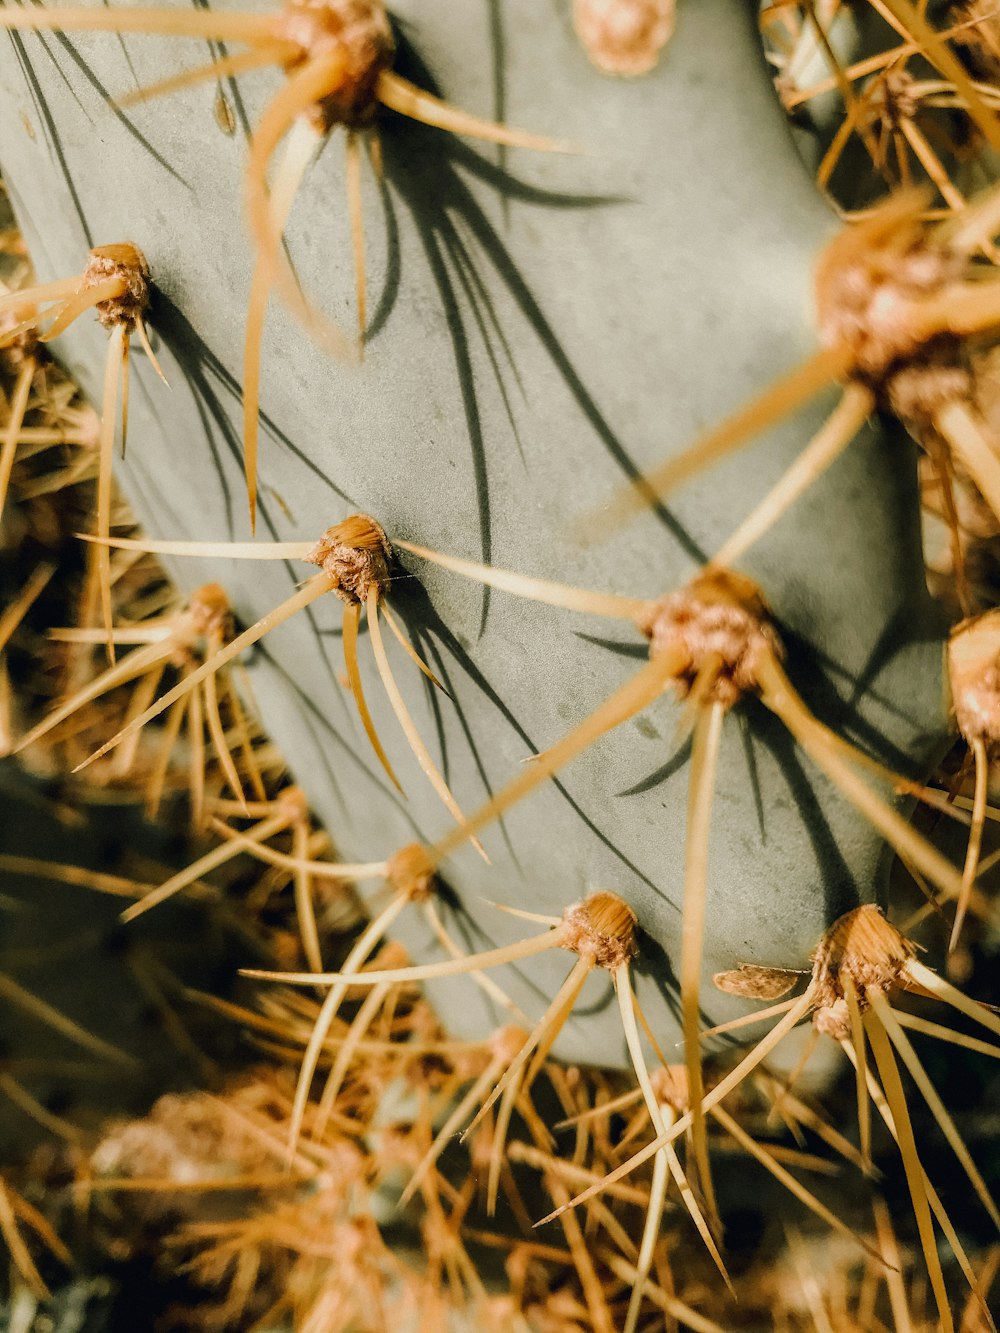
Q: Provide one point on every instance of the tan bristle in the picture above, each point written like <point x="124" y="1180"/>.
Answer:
<point x="722" y="622"/>
<point x="863" y="945"/>
<point x="411" y="871"/>
<point x="356" y="31"/>
<point x="125" y="261"/>
<point x="356" y="555"/>
<point x="601" y="928"/>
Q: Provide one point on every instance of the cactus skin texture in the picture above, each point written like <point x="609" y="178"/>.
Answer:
<point x="540" y="326"/>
